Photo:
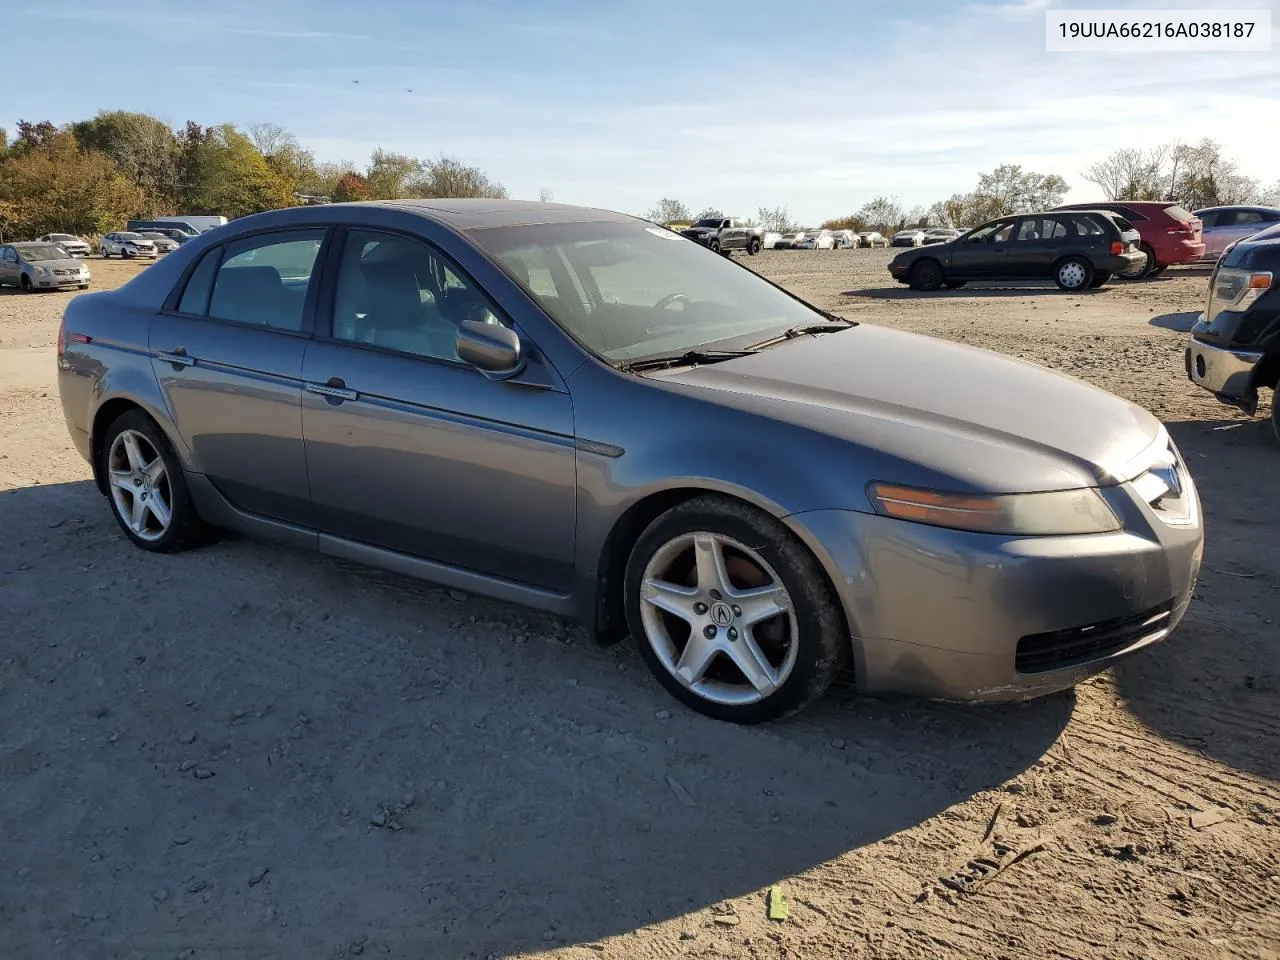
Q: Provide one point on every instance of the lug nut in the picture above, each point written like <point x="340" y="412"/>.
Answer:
<point x="715" y="594"/>
<point x="699" y="608"/>
<point x="737" y="611"/>
<point x="733" y="633"/>
<point x="709" y="632"/>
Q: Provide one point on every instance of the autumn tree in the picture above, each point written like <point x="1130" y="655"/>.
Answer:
<point x="287" y="158"/>
<point x="710" y="213"/>
<point x="851" y="222"/>
<point x="145" y="149"/>
<point x="669" y="211"/>
<point x="351" y="186"/>
<point x="448" y="177"/>
<point x="1132" y="174"/>
<point x="777" y="219"/>
<point x="232" y="178"/>
<point x="882" y="214"/>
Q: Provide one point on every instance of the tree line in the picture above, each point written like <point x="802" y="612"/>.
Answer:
<point x="90" y="176"/>
<point x="1194" y="176"/>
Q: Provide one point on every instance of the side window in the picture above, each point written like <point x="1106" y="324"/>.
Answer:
<point x="263" y="280"/>
<point x="1246" y="217"/>
<point x="1211" y="219"/>
<point x="1087" y="226"/>
<point x="195" y="298"/>
<point x="400" y="294"/>
<point x="1029" y="230"/>
<point x="1053" y="229"/>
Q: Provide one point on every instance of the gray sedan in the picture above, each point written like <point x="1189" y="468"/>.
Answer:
<point x="579" y="411"/>
<point x="41" y="266"/>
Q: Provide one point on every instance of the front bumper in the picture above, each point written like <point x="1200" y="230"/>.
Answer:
<point x="52" y="283"/>
<point x="962" y="616"/>
<point x="1227" y="374"/>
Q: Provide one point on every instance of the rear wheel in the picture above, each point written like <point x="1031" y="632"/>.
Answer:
<point x="926" y="275"/>
<point x="731" y="613"/>
<point x="1148" y="269"/>
<point x="1073" y="274"/>
<point x="753" y="246"/>
<point x="1099" y="279"/>
<point x="1158" y="270"/>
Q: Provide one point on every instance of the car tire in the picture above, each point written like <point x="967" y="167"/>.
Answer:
<point x="955" y="284"/>
<point x="150" y="470"/>
<point x="713" y="246"/>
<point x="791" y="655"/>
<point x="1099" y="279"/>
<point x="926" y="275"/>
<point x="1148" y="269"/>
<point x="753" y="246"/>
<point x="1073" y="274"/>
<point x="125" y="255"/>
<point x="26" y="284"/>
<point x="1158" y="270"/>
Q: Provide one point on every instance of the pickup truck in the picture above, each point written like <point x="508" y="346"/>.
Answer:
<point x="726" y="234"/>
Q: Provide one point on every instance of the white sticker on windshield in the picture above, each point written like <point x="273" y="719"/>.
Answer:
<point x="663" y="232"/>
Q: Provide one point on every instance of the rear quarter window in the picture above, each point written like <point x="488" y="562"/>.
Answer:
<point x="195" y="297"/>
<point x="1179" y="213"/>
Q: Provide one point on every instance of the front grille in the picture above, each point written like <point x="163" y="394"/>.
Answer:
<point x="1041" y="652"/>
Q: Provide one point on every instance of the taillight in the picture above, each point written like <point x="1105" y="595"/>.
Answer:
<point x="1117" y="248"/>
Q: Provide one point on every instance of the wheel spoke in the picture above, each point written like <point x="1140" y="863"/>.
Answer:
<point x="122" y="479"/>
<point x="749" y="658"/>
<point x="759" y="604"/>
<point x="154" y="471"/>
<point x="695" y="658"/>
<point x="709" y="560"/>
<point x="138" y="515"/>
<point x="159" y="509"/>
<point x="133" y="452"/>
<point x="671" y="597"/>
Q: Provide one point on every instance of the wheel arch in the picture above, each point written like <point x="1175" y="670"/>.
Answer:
<point x="107" y="413"/>
<point x="1267" y="373"/>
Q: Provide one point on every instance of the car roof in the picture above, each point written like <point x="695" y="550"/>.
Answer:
<point x="1238" y="206"/>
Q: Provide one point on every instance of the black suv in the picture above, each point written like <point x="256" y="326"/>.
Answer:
<point x="1077" y="250"/>
<point x="1235" y="346"/>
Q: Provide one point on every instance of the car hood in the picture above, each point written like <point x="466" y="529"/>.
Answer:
<point x="938" y="413"/>
<point x="64" y="263"/>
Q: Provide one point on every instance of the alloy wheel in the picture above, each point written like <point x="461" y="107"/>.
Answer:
<point x="718" y="618"/>
<point x="140" y="487"/>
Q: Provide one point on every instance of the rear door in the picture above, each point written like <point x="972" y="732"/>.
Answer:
<point x="1038" y="242"/>
<point x="984" y="253"/>
<point x="228" y="352"/>
<point x="410" y="449"/>
<point x="1238" y="224"/>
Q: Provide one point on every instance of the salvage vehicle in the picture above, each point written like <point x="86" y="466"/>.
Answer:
<point x="577" y="410"/>
<point x="1169" y="233"/>
<point x="41" y="266"/>
<point x="68" y="242"/>
<point x="725" y="234"/>
<point x="1076" y="250"/>
<point x="1234" y="349"/>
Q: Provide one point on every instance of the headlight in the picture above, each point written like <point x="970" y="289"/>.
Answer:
<point x="1055" y="513"/>
<point x="42" y="271"/>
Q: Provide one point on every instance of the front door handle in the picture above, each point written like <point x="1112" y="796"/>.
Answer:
<point x="178" y="357"/>
<point x="335" y="389"/>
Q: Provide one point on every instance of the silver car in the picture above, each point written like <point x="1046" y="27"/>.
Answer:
<point x="41" y="266"/>
<point x="163" y="243"/>
<point x="580" y="411"/>
<point x="68" y="242"/>
<point x="126" y="245"/>
<point x="1223" y="226"/>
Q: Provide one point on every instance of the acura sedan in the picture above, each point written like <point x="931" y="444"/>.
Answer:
<point x="579" y="411"/>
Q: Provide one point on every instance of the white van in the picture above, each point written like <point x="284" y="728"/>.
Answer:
<point x="203" y="224"/>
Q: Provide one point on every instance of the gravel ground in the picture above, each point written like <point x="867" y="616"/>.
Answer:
<point x="247" y="752"/>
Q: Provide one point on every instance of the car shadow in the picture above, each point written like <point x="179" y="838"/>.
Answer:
<point x="1215" y="686"/>
<point x="1178" y="322"/>
<point x="971" y="289"/>
<point x="271" y="745"/>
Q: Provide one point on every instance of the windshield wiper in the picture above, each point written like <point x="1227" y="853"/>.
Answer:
<point x="688" y="358"/>
<point x="837" y="323"/>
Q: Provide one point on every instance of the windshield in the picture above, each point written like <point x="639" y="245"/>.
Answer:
<point x="130" y="236"/>
<point x="627" y="291"/>
<point x="41" y="251"/>
<point x="708" y="222"/>
<point x="62" y="238"/>
<point x="155" y="236"/>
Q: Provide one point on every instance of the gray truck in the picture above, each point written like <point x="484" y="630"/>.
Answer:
<point x="726" y="234"/>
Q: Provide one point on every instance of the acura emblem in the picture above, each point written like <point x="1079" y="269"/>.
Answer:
<point x="721" y="615"/>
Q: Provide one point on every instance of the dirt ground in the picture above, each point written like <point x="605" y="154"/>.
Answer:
<point x="248" y="752"/>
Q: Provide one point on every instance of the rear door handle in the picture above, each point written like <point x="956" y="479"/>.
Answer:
<point x="334" y="389"/>
<point x="178" y="357"/>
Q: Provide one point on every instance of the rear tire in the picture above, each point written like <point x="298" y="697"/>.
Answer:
<point x="1158" y="270"/>
<point x="1149" y="268"/>
<point x="1073" y="274"/>
<point x="184" y="528"/>
<point x="753" y="246"/>
<point x="717" y="543"/>
<point x="926" y="275"/>
<point x="1098" y="280"/>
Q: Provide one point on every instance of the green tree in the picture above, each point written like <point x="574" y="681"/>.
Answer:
<point x="392" y="175"/>
<point x="777" y="219"/>
<point x="852" y="222"/>
<point x="1008" y="189"/>
<point x="289" y="159"/>
<point x="710" y="213"/>
<point x="882" y="214"/>
<point x="232" y="178"/>
<point x="58" y="186"/>
<point x="145" y="149"/>
<point x="669" y="211"/>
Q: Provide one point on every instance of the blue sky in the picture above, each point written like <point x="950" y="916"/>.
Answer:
<point x="819" y="106"/>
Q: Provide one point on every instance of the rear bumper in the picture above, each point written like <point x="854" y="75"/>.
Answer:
<point x="959" y="616"/>
<point x="1124" y="262"/>
<point x="1179" y="251"/>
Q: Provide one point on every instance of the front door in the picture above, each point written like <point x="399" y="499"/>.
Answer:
<point x="983" y="253"/>
<point x="228" y="357"/>
<point x="8" y="265"/>
<point x="409" y="448"/>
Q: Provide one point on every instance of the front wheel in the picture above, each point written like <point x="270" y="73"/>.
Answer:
<point x="26" y="284"/>
<point x="1098" y="280"/>
<point x="753" y="246"/>
<point x="714" y="246"/>
<point x="926" y="275"/>
<point x="1073" y="274"/>
<point x="731" y="613"/>
<point x="146" y="486"/>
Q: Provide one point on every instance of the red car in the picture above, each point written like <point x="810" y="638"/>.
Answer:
<point x="1169" y="233"/>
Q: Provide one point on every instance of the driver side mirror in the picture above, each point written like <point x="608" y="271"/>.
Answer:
<point x="489" y="347"/>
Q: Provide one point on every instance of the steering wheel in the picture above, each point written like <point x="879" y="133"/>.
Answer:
<point x="670" y="299"/>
